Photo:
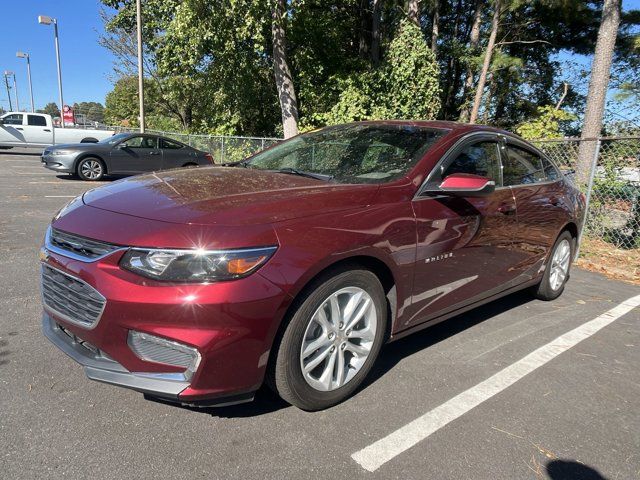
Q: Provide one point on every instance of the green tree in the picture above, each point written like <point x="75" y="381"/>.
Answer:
<point x="405" y="86"/>
<point x="548" y="124"/>
<point x="52" y="109"/>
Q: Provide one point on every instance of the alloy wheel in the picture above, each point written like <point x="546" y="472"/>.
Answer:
<point x="91" y="169"/>
<point x="560" y="265"/>
<point x="338" y="339"/>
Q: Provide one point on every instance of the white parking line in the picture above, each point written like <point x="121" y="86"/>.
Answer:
<point x="385" y="449"/>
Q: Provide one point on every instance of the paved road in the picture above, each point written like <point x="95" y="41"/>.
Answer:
<point x="579" y="411"/>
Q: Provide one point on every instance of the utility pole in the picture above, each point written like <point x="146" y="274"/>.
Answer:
<point x="140" y="67"/>
<point x="26" y="55"/>
<point x="6" y="82"/>
<point x="15" y="90"/>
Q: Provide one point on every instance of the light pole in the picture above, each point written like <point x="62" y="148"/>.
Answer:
<point x="140" y="71"/>
<point x="26" y="55"/>
<point x="8" y="73"/>
<point x="44" y="20"/>
<point x="6" y="82"/>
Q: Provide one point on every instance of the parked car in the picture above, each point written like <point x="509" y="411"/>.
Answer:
<point x="297" y="264"/>
<point x="35" y="130"/>
<point x="123" y="154"/>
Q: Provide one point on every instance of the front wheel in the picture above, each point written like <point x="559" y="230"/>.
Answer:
<point x="90" y="169"/>
<point x="556" y="273"/>
<point x="332" y="340"/>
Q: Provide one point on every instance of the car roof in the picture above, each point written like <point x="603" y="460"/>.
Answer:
<point x="458" y="127"/>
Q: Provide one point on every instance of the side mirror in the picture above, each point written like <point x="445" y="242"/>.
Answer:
<point x="464" y="185"/>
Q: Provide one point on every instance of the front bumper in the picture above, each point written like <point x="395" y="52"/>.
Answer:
<point x="58" y="163"/>
<point x="100" y="367"/>
<point x="231" y="324"/>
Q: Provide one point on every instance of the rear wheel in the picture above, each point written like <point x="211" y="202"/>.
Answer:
<point x="189" y="165"/>
<point x="90" y="169"/>
<point x="332" y="340"/>
<point x="557" y="272"/>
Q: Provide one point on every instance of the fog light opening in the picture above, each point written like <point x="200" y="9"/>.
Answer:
<point x="160" y="350"/>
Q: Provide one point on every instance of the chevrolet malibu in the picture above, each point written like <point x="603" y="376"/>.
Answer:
<point x="296" y="265"/>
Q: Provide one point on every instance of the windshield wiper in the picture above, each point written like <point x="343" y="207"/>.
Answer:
<point x="302" y="173"/>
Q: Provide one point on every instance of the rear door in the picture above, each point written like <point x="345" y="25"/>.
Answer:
<point x="541" y="204"/>
<point x="12" y="129"/>
<point x="137" y="154"/>
<point x="36" y="130"/>
<point x="464" y="244"/>
<point x="174" y="154"/>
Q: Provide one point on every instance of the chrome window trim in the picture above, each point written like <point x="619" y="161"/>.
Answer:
<point x="469" y="137"/>
<point x="64" y="317"/>
<point x="75" y="256"/>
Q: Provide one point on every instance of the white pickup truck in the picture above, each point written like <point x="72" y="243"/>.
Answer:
<point x="35" y="130"/>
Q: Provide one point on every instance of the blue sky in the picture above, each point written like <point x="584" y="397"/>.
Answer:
<point x="86" y="66"/>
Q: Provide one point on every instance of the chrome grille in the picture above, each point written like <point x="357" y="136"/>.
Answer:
<point x="70" y="298"/>
<point x="74" y="244"/>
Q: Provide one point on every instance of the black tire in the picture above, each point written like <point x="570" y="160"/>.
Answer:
<point x="544" y="290"/>
<point x="91" y="169"/>
<point x="190" y="165"/>
<point x="286" y="371"/>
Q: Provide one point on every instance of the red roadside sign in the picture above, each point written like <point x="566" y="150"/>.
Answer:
<point x="67" y="115"/>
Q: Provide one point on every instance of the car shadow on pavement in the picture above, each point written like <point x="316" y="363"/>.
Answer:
<point x="571" y="470"/>
<point x="392" y="353"/>
<point x="266" y="401"/>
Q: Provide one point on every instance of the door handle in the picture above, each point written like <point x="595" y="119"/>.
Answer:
<point x="154" y="153"/>
<point x="507" y="209"/>
<point x="46" y="130"/>
<point x="18" y="128"/>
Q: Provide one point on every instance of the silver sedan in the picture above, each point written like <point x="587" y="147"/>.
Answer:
<point x="122" y="154"/>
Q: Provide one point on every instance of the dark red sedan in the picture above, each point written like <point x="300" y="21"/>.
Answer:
<point x="296" y="265"/>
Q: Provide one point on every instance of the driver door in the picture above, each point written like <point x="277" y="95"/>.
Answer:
<point x="137" y="154"/>
<point x="464" y="243"/>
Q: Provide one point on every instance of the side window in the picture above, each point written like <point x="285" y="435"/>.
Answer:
<point x="13" y="119"/>
<point x="550" y="170"/>
<point x="521" y="167"/>
<point x="169" y="144"/>
<point x="36" y="120"/>
<point x="477" y="159"/>
<point x="140" y="142"/>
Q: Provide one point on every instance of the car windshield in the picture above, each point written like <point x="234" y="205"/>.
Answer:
<point x="356" y="153"/>
<point x="114" y="138"/>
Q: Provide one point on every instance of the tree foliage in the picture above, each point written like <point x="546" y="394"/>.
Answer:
<point x="548" y="124"/>
<point x="209" y="66"/>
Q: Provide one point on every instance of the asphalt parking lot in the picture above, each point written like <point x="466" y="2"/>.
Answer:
<point x="575" y="416"/>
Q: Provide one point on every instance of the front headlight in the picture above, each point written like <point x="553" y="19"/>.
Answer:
<point x="195" y="266"/>
<point x="62" y="152"/>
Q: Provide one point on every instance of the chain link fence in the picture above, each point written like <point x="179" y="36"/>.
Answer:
<point x="223" y="148"/>
<point x="613" y="191"/>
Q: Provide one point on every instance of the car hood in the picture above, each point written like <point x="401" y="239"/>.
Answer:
<point x="226" y="196"/>
<point x="76" y="146"/>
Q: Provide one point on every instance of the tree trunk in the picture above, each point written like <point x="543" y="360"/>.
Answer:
<point x="375" y="33"/>
<point x="474" y="40"/>
<point x="436" y="27"/>
<point x="598" y="84"/>
<point x="363" y="45"/>
<point x="284" y="81"/>
<point x="495" y="23"/>
<point x="413" y="11"/>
